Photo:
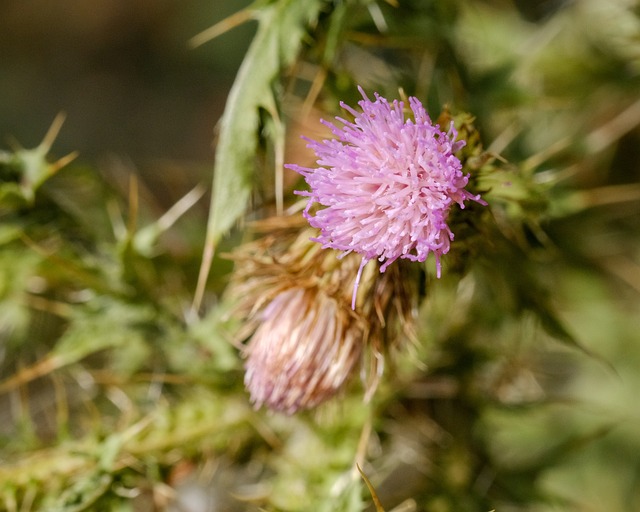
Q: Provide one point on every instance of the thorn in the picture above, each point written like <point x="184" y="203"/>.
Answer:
<point x="62" y="162"/>
<point x="52" y="133"/>
<point x="221" y="27"/>
<point x="133" y="204"/>
<point x="205" y="267"/>
<point x="374" y="496"/>
<point x="183" y="205"/>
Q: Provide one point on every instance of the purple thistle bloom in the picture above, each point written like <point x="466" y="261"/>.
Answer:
<point x="386" y="183"/>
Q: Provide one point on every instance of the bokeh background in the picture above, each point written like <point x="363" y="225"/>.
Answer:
<point x="131" y="86"/>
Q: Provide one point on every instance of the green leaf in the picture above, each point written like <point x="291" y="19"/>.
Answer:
<point x="17" y="267"/>
<point x="282" y="28"/>
<point x="103" y="324"/>
<point x="25" y="170"/>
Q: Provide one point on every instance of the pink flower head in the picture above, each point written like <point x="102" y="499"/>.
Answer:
<point x="303" y="351"/>
<point x="386" y="183"/>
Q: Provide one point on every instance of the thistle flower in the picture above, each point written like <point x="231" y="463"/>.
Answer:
<point x="304" y="341"/>
<point x="303" y="351"/>
<point x="387" y="184"/>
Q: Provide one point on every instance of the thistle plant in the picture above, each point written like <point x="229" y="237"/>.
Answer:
<point x="305" y="340"/>
<point x="431" y="308"/>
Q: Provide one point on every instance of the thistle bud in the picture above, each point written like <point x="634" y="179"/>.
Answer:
<point x="304" y="340"/>
<point x="303" y="351"/>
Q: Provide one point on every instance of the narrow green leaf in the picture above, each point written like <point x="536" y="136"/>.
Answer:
<point x="282" y="27"/>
